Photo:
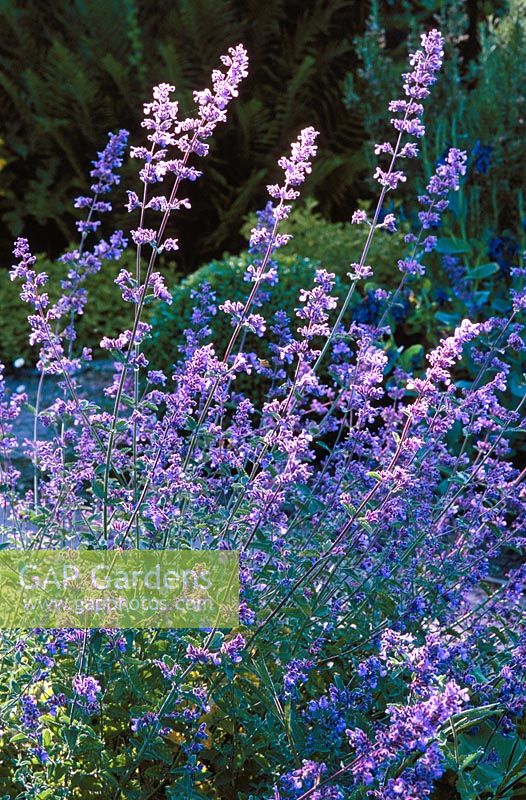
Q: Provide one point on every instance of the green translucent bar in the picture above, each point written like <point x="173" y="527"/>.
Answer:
<point x="119" y="589"/>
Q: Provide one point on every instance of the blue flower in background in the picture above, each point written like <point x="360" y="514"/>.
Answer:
<point x="503" y="250"/>
<point x="481" y="154"/>
<point x="441" y="296"/>
<point x="370" y="309"/>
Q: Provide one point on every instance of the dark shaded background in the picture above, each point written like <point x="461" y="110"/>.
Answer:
<point x="70" y="71"/>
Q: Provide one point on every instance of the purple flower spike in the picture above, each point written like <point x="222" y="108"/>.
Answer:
<point x="299" y="164"/>
<point x="108" y="161"/>
<point x="264" y="239"/>
<point x="425" y="62"/>
<point x="165" y="128"/>
<point x="234" y="648"/>
<point x="160" y="115"/>
<point x="212" y="104"/>
<point x="446" y="179"/>
<point x="87" y="688"/>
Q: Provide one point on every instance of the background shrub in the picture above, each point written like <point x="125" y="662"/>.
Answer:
<point x="317" y="242"/>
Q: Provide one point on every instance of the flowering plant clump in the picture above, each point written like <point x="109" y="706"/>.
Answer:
<point x="381" y="648"/>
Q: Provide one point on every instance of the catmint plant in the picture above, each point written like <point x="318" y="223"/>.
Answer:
<point x="374" y="504"/>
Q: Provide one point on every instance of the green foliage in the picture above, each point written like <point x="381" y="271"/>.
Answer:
<point x="71" y="71"/>
<point x="496" y="114"/>
<point x="487" y="761"/>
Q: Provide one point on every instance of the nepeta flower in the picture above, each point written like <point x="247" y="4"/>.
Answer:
<point x="389" y="179"/>
<point x="42" y="323"/>
<point x="161" y="119"/>
<point x="297" y="672"/>
<point x="450" y="350"/>
<point x="87" y="688"/>
<point x="317" y="303"/>
<point x="299" y="164"/>
<point x="212" y="104"/>
<point x="132" y="293"/>
<point x="519" y="300"/>
<point x="234" y="648"/>
<point x="204" y="308"/>
<point x="445" y="180"/>
<point x="411" y="728"/>
<point x="306" y="779"/>
<point x="122" y="341"/>
<point x="148" y="720"/>
<point x="259" y="244"/>
<point x="170" y="244"/>
<point x="426" y="63"/>
<point x="105" y="168"/>
<point x="264" y="238"/>
<point x="389" y="223"/>
<point x="30" y="712"/>
<point x="411" y="266"/>
<point x="358" y="217"/>
<point x="360" y="271"/>
<point x="252" y="322"/>
<point x="200" y="655"/>
<point x="160" y="115"/>
<point x="144" y="235"/>
<point x="415" y="782"/>
<point x="81" y="263"/>
<point x="23" y="268"/>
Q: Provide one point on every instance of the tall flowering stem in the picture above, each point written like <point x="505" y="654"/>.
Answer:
<point x="81" y="265"/>
<point x="41" y="322"/>
<point x="426" y="64"/>
<point x="161" y="119"/>
<point x="446" y="179"/>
